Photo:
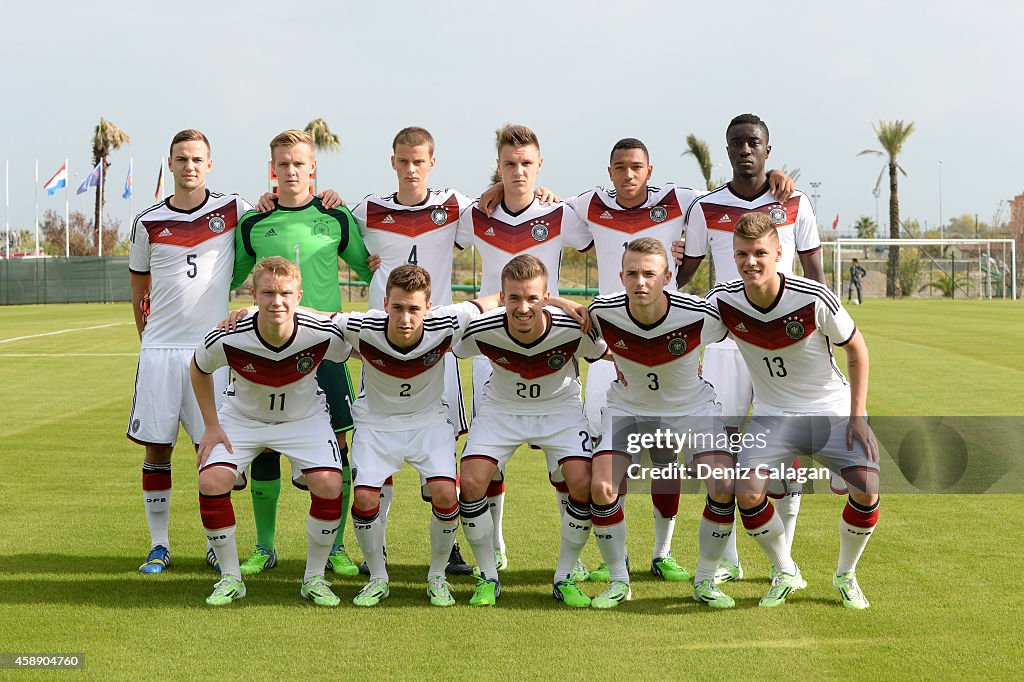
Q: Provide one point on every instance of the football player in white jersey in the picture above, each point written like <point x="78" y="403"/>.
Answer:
<point x="416" y="225"/>
<point x="709" y="227"/>
<point x="180" y="261"/>
<point x="522" y="223"/>
<point x="532" y="396"/>
<point x="785" y="327"/>
<point x="274" y="402"/>
<point x="655" y="337"/>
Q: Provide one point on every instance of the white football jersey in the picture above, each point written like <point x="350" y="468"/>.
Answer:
<point x="537" y="378"/>
<point x="612" y="226"/>
<point x="711" y="218"/>
<point x="422" y="235"/>
<point x="189" y="256"/>
<point x="659" y="362"/>
<point x="274" y="384"/>
<point x="787" y="346"/>
<point x="538" y="230"/>
<point x="403" y="388"/>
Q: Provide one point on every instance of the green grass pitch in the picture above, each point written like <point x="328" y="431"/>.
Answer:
<point x="940" y="570"/>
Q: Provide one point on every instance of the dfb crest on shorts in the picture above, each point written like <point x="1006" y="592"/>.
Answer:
<point x="320" y="228"/>
<point x="795" y="329"/>
<point x="431" y="358"/>
<point x="304" y="365"/>
<point x="659" y="214"/>
<point x="677" y="346"/>
<point x="135" y="425"/>
<point x="439" y="216"/>
<point x="217" y="224"/>
<point x="778" y="215"/>
<point x="556" y="361"/>
<point x="539" y="231"/>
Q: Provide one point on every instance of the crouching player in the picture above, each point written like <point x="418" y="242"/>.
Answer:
<point x="533" y="397"/>
<point x="785" y="327"/>
<point x="274" y="402"/>
<point x="655" y="338"/>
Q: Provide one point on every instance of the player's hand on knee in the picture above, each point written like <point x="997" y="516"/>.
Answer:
<point x="267" y="202"/>
<point x="330" y="199"/>
<point x="857" y="429"/>
<point x="213" y="436"/>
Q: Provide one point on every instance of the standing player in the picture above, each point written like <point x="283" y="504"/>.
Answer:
<point x="655" y="337"/>
<point x="180" y="261"/>
<point x="521" y="224"/>
<point x="533" y="396"/>
<point x="785" y="327"/>
<point x="302" y="230"/>
<point x="709" y="226"/>
<point x="273" y="402"/>
<point x="856" y="275"/>
<point x="416" y="225"/>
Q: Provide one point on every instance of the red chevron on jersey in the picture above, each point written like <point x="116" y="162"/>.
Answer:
<point x="724" y="218"/>
<point x="531" y="366"/>
<point x="653" y="351"/>
<point x="269" y="372"/>
<point x="515" y="239"/>
<point x="781" y="332"/>
<point x="399" y="367"/>
<point x="196" y="231"/>
<point x="633" y="220"/>
<point x="412" y="222"/>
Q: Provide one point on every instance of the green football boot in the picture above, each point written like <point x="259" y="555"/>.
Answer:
<point x="567" y="591"/>
<point x="318" y="590"/>
<point x="339" y="562"/>
<point x="439" y="591"/>
<point x="616" y="593"/>
<point x="261" y="559"/>
<point x="849" y="590"/>
<point x="708" y="592"/>
<point x="228" y="589"/>
<point x="372" y="593"/>
<point x="486" y="593"/>
<point x="782" y="585"/>
<point x="667" y="568"/>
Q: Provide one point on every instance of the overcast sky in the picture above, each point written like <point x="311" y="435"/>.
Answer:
<point x="581" y="74"/>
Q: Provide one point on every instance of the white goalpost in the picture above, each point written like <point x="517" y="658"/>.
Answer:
<point x="955" y="268"/>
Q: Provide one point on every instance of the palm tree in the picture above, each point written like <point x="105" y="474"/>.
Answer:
<point x="892" y="135"/>
<point x="698" y="148"/>
<point x="322" y="136"/>
<point x="866" y="228"/>
<point x="105" y="138"/>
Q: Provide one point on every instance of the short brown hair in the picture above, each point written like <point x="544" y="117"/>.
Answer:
<point x="410" y="278"/>
<point x="290" y="138"/>
<point x="523" y="268"/>
<point x="189" y="135"/>
<point x="278" y="268"/>
<point x="754" y="226"/>
<point x="516" y="136"/>
<point x="647" y="245"/>
<point x="414" y="136"/>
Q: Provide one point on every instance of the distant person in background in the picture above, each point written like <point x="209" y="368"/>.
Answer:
<point x="856" y="274"/>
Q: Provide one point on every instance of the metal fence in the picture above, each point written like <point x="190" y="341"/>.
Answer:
<point x="79" y="279"/>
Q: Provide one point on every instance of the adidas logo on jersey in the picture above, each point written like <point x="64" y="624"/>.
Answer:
<point x="606" y="215"/>
<point x="165" y="233"/>
<point x="388" y="221"/>
<point x="270" y="233"/>
<point x="489" y="232"/>
<point x="503" y="361"/>
<point x="742" y="328"/>
<point x="378" y="362"/>
<point x="725" y="219"/>
<point x="249" y="368"/>
<point x="621" y="344"/>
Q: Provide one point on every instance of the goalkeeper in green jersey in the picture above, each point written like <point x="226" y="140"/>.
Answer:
<point x="313" y="237"/>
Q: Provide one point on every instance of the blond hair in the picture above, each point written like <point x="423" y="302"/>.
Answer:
<point x="647" y="245"/>
<point x="290" y="138"/>
<point x="754" y="226"/>
<point x="278" y="268"/>
<point x="410" y="278"/>
<point x="516" y="136"/>
<point x="413" y="136"/>
<point x="189" y="135"/>
<point x="523" y="268"/>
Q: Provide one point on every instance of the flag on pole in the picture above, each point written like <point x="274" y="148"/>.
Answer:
<point x="91" y="180"/>
<point x="59" y="179"/>
<point x="158" y="196"/>
<point x="835" y="223"/>
<point x="127" y="193"/>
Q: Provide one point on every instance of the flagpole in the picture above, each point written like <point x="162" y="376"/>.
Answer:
<point x="131" y="195"/>
<point x="99" y="224"/>
<point x="67" y="202"/>
<point x="37" y="208"/>
<point x="7" y="203"/>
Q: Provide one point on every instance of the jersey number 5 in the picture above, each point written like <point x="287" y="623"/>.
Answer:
<point x="193" y="269"/>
